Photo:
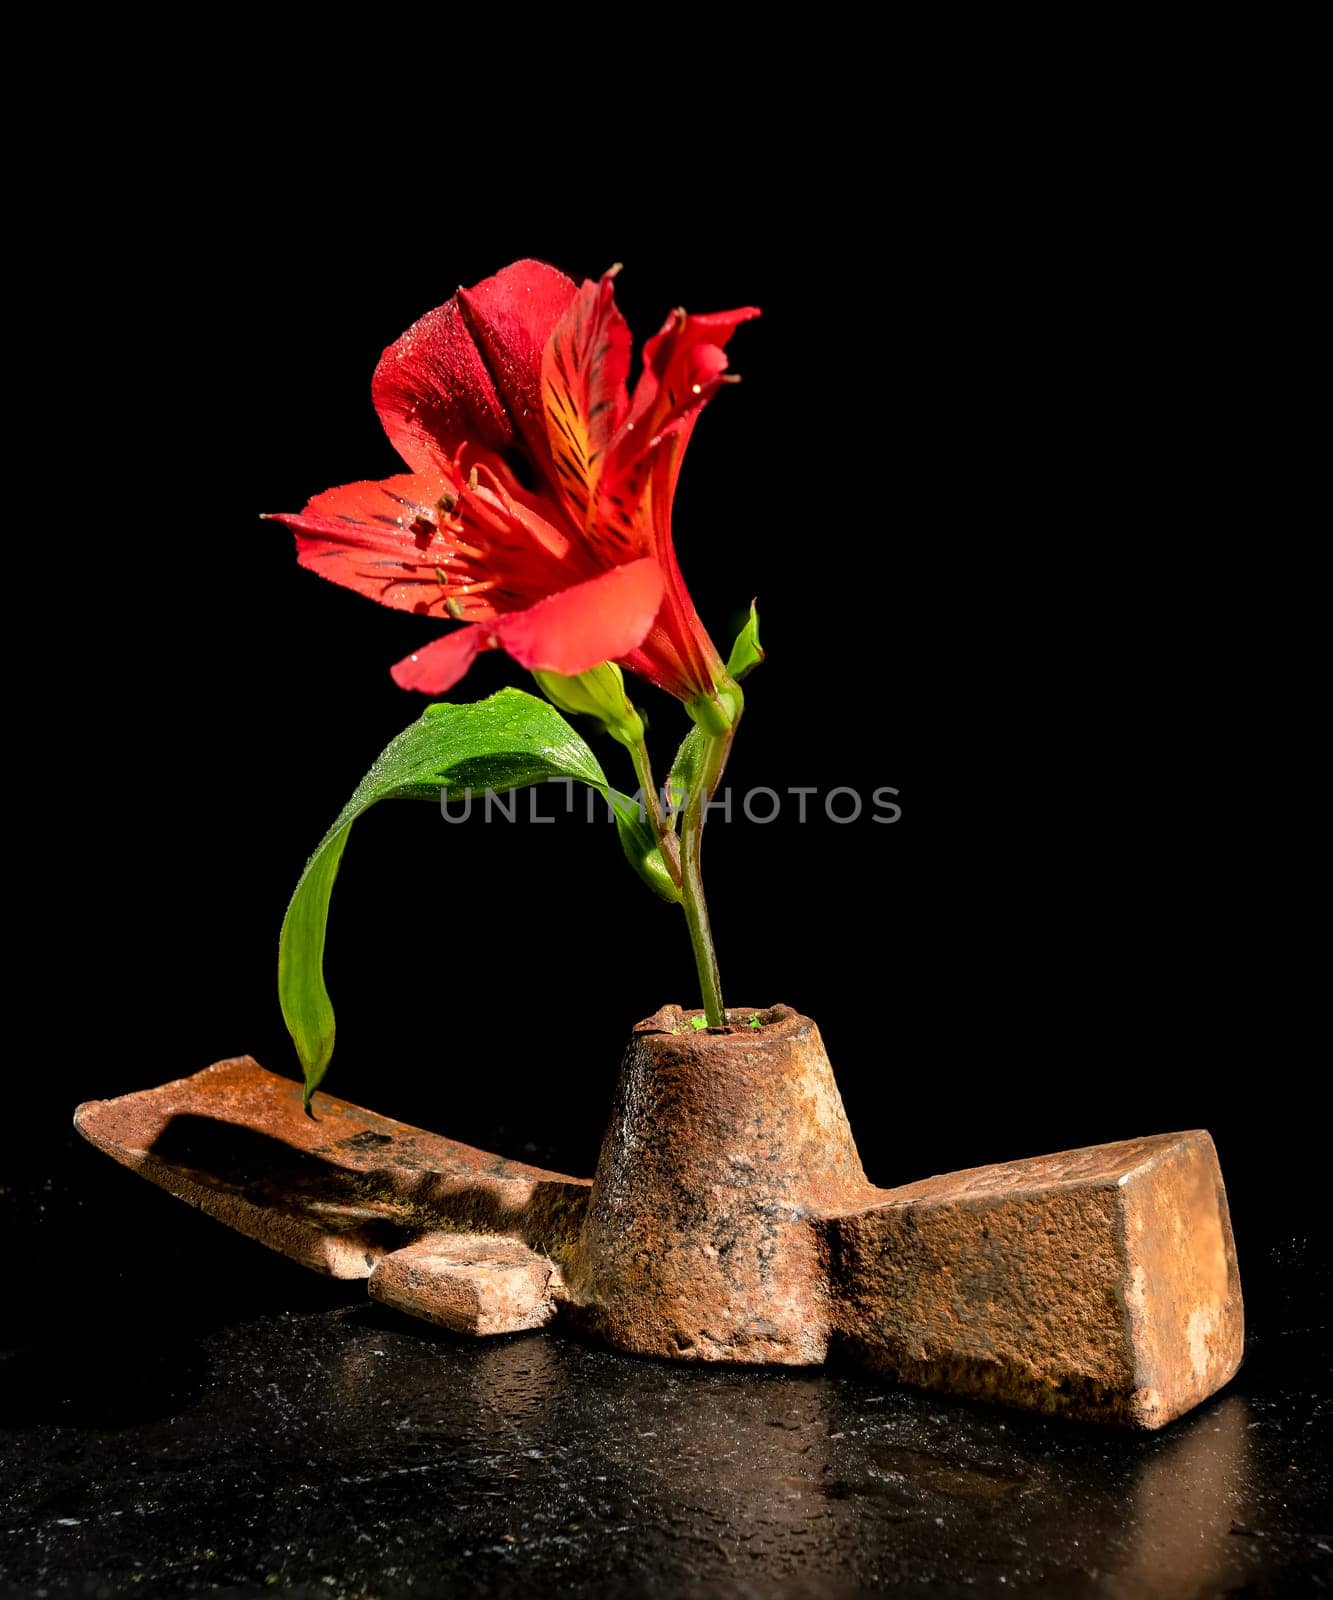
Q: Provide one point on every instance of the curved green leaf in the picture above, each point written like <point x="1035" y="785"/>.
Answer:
<point x="641" y="848"/>
<point x="508" y="741"/>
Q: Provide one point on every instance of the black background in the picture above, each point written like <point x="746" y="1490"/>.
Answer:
<point x="983" y="476"/>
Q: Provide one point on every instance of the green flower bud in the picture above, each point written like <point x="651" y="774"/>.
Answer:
<point x="598" y="693"/>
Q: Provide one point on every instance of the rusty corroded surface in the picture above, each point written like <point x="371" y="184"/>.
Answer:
<point x="472" y="1283"/>
<point x="1186" y="1317"/>
<point x="697" y="1242"/>
<point x="335" y="1191"/>
<point x="730" y="1220"/>
<point x="1098" y="1283"/>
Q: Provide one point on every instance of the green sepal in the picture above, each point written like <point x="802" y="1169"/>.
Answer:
<point x="683" y="779"/>
<point x="747" y="652"/>
<point x="718" y="713"/>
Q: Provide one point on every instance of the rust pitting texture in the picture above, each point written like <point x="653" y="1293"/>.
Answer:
<point x="698" y="1242"/>
<point x="730" y="1220"/>
<point x="469" y="1283"/>
<point x="335" y="1191"/>
<point x="1097" y="1283"/>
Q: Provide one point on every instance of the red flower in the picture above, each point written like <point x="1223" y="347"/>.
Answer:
<point x="538" y="507"/>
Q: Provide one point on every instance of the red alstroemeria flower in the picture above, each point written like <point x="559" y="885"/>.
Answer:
<point x="538" y="507"/>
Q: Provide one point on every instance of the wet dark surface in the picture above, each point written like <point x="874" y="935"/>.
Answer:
<point x="224" y="1423"/>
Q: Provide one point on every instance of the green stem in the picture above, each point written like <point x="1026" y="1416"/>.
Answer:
<point x="667" y="841"/>
<point x="716" y="749"/>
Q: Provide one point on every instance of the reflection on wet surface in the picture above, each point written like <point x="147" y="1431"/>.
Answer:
<point x="342" y="1451"/>
<point x="1186" y="1499"/>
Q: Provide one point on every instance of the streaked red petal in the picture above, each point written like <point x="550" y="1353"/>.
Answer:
<point x="683" y="366"/>
<point x="584" y="368"/>
<point x="467" y="370"/>
<point x="390" y="540"/>
<point x="596" y="621"/>
<point x="440" y="664"/>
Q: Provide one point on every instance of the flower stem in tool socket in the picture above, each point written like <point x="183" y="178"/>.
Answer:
<point x="536" y="514"/>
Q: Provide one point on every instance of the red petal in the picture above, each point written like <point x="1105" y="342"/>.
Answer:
<point x="596" y="621"/>
<point x="467" y="370"/>
<point x="440" y="664"/>
<point x="388" y="540"/>
<point x="678" y="655"/>
<point x="584" y="368"/>
<point x="432" y="391"/>
<point x="658" y="661"/>
<point x="682" y="367"/>
<point x="511" y="318"/>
